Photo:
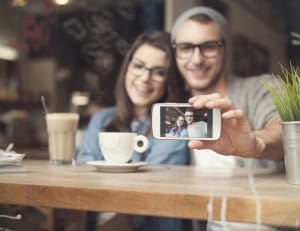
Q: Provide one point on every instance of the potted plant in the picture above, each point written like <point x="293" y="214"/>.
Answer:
<point x="286" y="97"/>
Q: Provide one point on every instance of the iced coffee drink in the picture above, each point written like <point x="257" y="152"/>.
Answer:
<point x="61" y="129"/>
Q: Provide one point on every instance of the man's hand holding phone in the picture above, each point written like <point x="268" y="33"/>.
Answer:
<point x="237" y="137"/>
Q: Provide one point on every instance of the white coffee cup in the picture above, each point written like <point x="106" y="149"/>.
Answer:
<point x="118" y="147"/>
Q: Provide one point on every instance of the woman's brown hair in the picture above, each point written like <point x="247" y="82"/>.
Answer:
<point x="174" y="90"/>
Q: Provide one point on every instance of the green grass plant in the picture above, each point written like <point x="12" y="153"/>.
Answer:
<point x="285" y="93"/>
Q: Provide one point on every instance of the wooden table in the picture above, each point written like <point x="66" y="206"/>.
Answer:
<point x="173" y="191"/>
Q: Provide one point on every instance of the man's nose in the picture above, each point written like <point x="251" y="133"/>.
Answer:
<point x="197" y="56"/>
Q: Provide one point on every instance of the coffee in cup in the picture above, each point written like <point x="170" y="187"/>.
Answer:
<point x="61" y="129"/>
<point x="118" y="147"/>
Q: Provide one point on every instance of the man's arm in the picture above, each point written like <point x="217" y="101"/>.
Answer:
<point x="271" y="141"/>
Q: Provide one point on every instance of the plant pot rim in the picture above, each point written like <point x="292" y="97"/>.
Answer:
<point x="290" y="122"/>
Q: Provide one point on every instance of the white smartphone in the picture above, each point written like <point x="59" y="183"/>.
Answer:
<point x="182" y="121"/>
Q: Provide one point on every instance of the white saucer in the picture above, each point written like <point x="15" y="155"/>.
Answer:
<point x="104" y="166"/>
<point x="10" y="158"/>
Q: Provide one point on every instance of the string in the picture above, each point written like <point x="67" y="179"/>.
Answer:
<point x="223" y="213"/>
<point x="258" y="204"/>
<point x="17" y="217"/>
<point x="210" y="207"/>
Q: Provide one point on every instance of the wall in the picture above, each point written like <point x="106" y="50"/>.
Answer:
<point x="37" y="78"/>
<point x="243" y="22"/>
<point x="9" y="24"/>
<point x="173" y="8"/>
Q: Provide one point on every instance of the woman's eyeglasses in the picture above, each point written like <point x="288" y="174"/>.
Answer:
<point x="157" y="74"/>
<point x="209" y="49"/>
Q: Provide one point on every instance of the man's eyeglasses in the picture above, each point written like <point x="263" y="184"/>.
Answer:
<point x="189" y="116"/>
<point x="156" y="73"/>
<point x="209" y="49"/>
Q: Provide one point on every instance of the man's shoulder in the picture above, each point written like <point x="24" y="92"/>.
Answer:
<point x="248" y="83"/>
<point x="257" y="79"/>
<point x="200" y="124"/>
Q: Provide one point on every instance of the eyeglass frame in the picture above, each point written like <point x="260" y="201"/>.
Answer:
<point x="144" y="68"/>
<point x="219" y="43"/>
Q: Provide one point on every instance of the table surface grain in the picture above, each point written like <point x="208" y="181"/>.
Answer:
<point x="245" y="195"/>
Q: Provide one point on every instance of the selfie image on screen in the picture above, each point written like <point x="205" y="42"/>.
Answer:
<point x="183" y="122"/>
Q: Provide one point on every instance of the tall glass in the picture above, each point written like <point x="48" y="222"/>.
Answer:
<point x="61" y="129"/>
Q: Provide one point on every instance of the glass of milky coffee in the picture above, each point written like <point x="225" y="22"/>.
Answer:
<point x="61" y="129"/>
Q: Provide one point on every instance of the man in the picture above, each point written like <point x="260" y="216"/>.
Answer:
<point x="251" y="125"/>
<point x="251" y="131"/>
<point x="195" y="129"/>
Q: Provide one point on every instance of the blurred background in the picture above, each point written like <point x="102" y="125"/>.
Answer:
<point x="70" y="52"/>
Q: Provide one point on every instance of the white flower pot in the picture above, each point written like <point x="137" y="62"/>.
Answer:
<point x="291" y="145"/>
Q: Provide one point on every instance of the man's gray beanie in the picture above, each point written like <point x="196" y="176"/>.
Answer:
<point x="218" y="18"/>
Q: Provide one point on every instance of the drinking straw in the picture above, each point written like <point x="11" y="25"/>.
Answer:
<point x="9" y="147"/>
<point x="44" y="104"/>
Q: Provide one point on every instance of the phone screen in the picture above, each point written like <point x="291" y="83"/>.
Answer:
<point x="186" y="122"/>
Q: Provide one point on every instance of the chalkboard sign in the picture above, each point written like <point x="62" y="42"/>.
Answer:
<point x="92" y="41"/>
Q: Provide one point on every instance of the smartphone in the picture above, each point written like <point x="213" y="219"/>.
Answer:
<point x="182" y="121"/>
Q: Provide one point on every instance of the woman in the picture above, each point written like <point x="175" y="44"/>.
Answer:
<point x="179" y="130"/>
<point x="147" y="76"/>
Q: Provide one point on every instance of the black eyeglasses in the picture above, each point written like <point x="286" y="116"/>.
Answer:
<point x="157" y="74"/>
<point x="209" y="49"/>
